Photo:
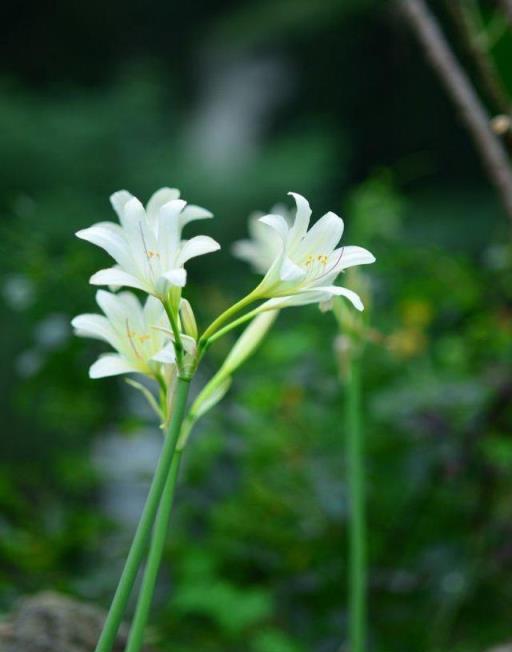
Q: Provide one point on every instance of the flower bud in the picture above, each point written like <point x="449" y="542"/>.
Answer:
<point x="188" y="320"/>
<point x="248" y="341"/>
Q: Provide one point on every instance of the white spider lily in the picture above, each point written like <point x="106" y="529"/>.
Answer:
<point x="147" y="244"/>
<point x="133" y="330"/>
<point x="301" y="265"/>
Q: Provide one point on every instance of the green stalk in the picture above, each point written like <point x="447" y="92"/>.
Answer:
<point x="142" y="534"/>
<point x="154" y="559"/>
<point x="357" y="524"/>
<point x="225" y="316"/>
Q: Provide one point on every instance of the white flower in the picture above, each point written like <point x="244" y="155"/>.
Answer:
<point x="147" y="245"/>
<point x="301" y="265"/>
<point x="133" y="330"/>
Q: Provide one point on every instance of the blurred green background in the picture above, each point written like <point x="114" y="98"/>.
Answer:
<point x="236" y="104"/>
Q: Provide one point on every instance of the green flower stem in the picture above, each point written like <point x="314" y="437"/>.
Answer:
<point x="357" y="525"/>
<point x="154" y="559"/>
<point x="229" y="327"/>
<point x="230" y="312"/>
<point x="178" y="344"/>
<point x="142" y="534"/>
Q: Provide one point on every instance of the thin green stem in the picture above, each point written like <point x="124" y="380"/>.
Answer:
<point x="154" y="559"/>
<point x="142" y="534"/>
<point x="178" y="344"/>
<point x="225" y="316"/>
<point x="357" y="525"/>
<point x="234" y="324"/>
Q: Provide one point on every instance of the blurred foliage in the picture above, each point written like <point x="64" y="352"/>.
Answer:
<point x="256" y="559"/>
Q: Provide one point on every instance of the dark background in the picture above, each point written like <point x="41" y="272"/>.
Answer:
<point x="236" y="104"/>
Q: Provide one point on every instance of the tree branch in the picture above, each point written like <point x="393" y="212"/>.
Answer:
<point x="507" y="8"/>
<point x="483" y="61"/>
<point x="463" y="95"/>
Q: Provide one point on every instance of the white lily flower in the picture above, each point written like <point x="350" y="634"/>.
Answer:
<point x="147" y="244"/>
<point x="136" y="332"/>
<point x="300" y="265"/>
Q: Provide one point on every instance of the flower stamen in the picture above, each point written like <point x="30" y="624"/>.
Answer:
<point x="332" y="267"/>
<point x="131" y="334"/>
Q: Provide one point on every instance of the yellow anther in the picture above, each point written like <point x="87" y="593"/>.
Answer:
<point x="153" y="254"/>
<point x="322" y="260"/>
<point x="309" y="260"/>
<point x="143" y="338"/>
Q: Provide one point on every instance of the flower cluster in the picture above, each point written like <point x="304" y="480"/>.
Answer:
<point x="160" y="338"/>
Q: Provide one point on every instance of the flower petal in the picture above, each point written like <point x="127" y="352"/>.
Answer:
<point x="119" y="307"/>
<point x="323" y="237"/>
<point x="302" y="217"/>
<point x="110" y="237"/>
<point x="118" y="200"/>
<point x="177" y="277"/>
<point x="201" y="244"/>
<point x="169" y="232"/>
<point x="139" y="235"/>
<point x="351" y="256"/>
<point x="157" y="200"/>
<point x="95" y="326"/>
<point x="154" y="313"/>
<point x="110" y="364"/>
<point x="336" y="290"/>
<point x="312" y="295"/>
<point x="191" y="213"/>
<point x="115" y="276"/>
<point x="278" y="223"/>
<point x="167" y="355"/>
<point x="290" y="271"/>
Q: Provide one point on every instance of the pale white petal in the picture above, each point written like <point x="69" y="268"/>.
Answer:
<point x="351" y="256"/>
<point x="131" y="304"/>
<point x="169" y="232"/>
<point x="250" y="252"/>
<point x="177" y="277"/>
<point x="312" y="295"/>
<point x="140" y="236"/>
<point x="336" y="290"/>
<point x="323" y="237"/>
<point x="191" y="213"/>
<point x="278" y="223"/>
<point x="112" y="306"/>
<point x="95" y="326"/>
<point x="157" y="200"/>
<point x="154" y="312"/>
<point x="133" y="212"/>
<point x="118" y="201"/>
<point x="121" y="308"/>
<point x="201" y="244"/>
<point x="302" y="217"/>
<point x="290" y="271"/>
<point x="167" y="355"/>
<point x="246" y="250"/>
<point x="115" y="276"/>
<point x="110" y="364"/>
<point x="108" y="236"/>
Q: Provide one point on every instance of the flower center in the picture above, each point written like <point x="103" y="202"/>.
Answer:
<point x="316" y="266"/>
<point x="133" y="337"/>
